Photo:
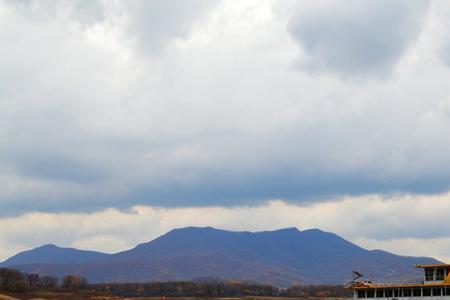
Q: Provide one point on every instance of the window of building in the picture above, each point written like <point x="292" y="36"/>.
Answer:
<point x="397" y="293"/>
<point x="370" y="293"/>
<point x="447" y="291"/>
<point x="388" y="293"/>
<point x="440" y="274"/>
<point x="379" y="293"/>
<point x="407" y="292"/>
<point x="417" y="293"/>
<point x="436" y="291"/>
<point x="426" y="292"/>
<point x="429" y="274"/>
<point x="361" y="294"/>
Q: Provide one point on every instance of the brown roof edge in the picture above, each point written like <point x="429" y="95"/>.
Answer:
<point x="386" y="286"/>
<point x="432" y="266"/>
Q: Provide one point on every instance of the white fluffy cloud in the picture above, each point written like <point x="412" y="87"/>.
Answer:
<point x="404" y="224"/>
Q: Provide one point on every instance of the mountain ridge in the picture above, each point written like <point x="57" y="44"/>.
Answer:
<point x="282" y="257"/>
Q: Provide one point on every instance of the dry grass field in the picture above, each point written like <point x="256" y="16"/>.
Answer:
<point x="93" y="296"/>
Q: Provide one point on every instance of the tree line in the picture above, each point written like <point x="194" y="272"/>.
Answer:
<point x="16" y="281"/>
<point x="218" y="289"/>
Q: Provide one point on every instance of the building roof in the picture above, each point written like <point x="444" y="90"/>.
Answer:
<point x="442" y="265"/>
<point x="385" y="286"/>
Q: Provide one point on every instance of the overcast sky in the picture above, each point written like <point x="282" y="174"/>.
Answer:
<point x="244" y="115"/>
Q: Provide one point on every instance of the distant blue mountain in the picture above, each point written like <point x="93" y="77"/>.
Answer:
<point x="52" y="254"/>
<point x="281" y="257"/>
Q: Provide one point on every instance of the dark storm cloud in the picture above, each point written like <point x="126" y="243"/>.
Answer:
<point x="226" y="189"/>
<point x="58" y="168"/>
<point x="356" y="37"/>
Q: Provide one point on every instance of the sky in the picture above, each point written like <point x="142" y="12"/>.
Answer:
<point x="120" y="120"/>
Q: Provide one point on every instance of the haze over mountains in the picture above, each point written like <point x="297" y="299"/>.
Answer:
<point x="281" y="257"/>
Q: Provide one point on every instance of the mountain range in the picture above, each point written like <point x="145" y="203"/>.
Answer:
<point x="282" y="257"/>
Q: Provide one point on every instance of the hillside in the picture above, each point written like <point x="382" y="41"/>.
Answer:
<point x="282" y="257"/>
<point x="52" y="254"/>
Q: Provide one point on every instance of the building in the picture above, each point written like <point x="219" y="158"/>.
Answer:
<point x="435" y="284"/>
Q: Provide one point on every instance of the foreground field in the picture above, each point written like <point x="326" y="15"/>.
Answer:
<point x="91" y="296"/>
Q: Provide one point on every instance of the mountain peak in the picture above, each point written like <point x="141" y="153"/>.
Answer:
<point x="196" y="228"/>
<point x="314" y="230"/>
<point x="214" y="229"/>
<point x="287" y="229"/>
<point x="51" y="253"/>
<point x="48" y="246"/>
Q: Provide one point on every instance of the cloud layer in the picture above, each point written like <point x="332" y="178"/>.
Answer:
<point x="158" y="113"/>
<point x="389" y="223"/>
<point x="110" y="104"/>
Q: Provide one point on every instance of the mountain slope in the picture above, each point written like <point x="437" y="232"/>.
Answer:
<point x="282" y="257"/>
<point x="51" y="254"/>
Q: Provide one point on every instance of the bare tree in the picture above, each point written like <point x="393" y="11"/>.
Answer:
<point x="49" y="282"/>
<point x="11" y="280"/>
<point x="74" y="282"/>
<point x="33" y="281"/>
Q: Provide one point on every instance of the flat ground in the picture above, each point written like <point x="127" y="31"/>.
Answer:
<point x="91" y="296"/>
